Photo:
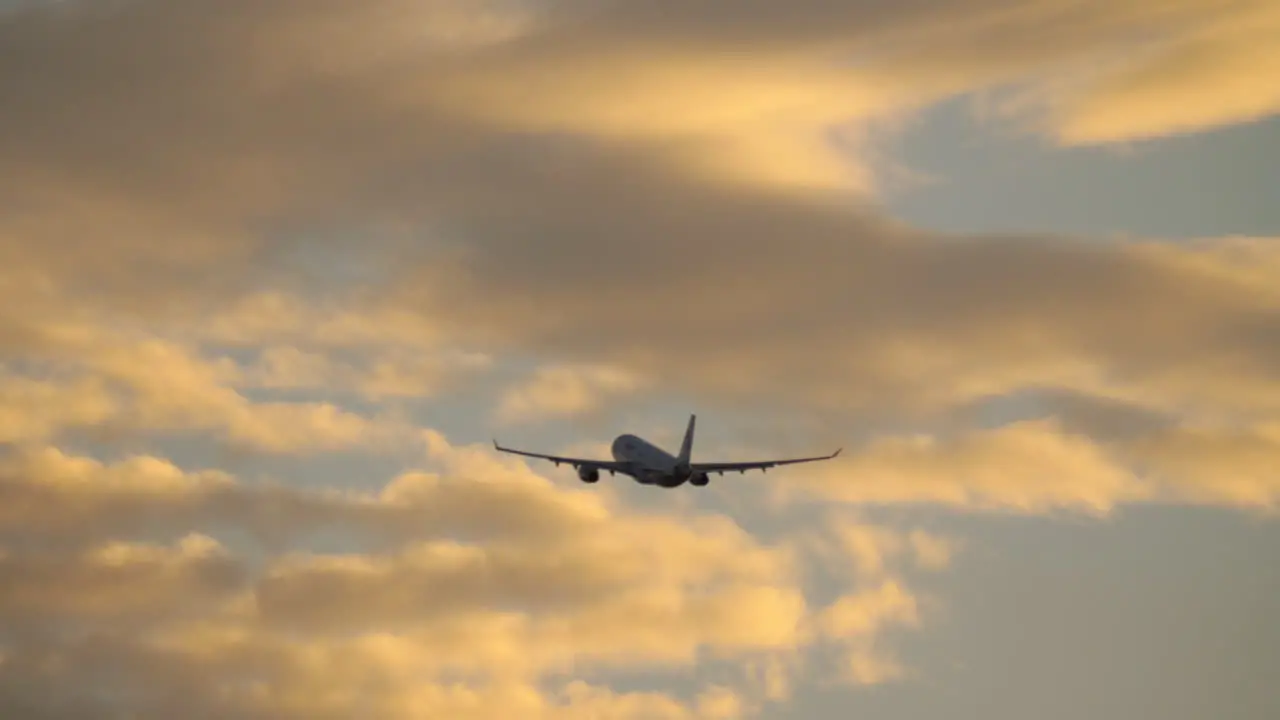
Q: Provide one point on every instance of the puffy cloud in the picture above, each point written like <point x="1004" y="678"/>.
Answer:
<point x="470" y="608"/>
<point x="118" y="583"/>
<point x="52" y="495"/>
<point x="33" y="410"/>
<point x="861" y="614"/>
<point x="154" y="385"/>
<point x="856" y="619"/>
<point x="358" y="196"/>
<point x="873" y="557"/>
<point x="108" y="374"/>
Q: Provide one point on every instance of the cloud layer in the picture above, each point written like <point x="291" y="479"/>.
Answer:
<point x="596" y="187"/>
<point x="288" y="229"/>
<point x="481" y="590"/>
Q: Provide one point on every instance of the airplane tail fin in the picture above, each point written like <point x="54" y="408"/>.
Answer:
<point x="686" y="447"/>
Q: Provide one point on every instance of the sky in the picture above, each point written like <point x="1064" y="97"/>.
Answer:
<point x="274" y="274"/>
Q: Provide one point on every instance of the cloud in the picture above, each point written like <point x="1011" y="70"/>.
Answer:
<point x="398" y="375"/>
<point x="154" y="385"/>
<point x="502" y="224"/>
<point x="1219" y="70"/>
<point x="118" y="583"/>
<point x="762" y="120"/>
<point x="1224" y="465"/>
<point x="932" y="552"/>
<point x="32" y="410"/>
<point x="564" y="390"/>
<point x="52" y="495"/>
<point x="487" y="596"/>
<point x="207" y="205"/>
<point x="252" y="152"/>
<point x="1036" y="466"/>
<point x="312" y="322"/>
<point x="846" y="312"/>
<point x="856" y="618"/>
<point x="1089" y="72"/>
<point x="231" y="377"/>
<point x="1028" y="467"/>
<point x="869" y="553"/>
<point x="862" y="550"/>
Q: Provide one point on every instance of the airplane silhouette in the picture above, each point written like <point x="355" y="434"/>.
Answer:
<point x="649" y="464"/>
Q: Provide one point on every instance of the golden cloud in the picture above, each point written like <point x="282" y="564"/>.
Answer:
<point x="328" y="125"/>
<point x="1029" y="467"/>
<point x="522" y="167"/>
<point x="563" y="390"/>
<point x="1220" y="69"/>
<point x="1039" y="466"/>
<point x="161" y="387"/>
<point x="1221" y="465"/>
<point x="202" y="203"/>
<point x="475" y="604"/>
<point x="118" y="583"/>
<point x="847" y="312"/>
<point x="857" y="618"/>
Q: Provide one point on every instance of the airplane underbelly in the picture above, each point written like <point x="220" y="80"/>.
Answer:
<point x="650" y="476"/>
<point x="652" y="465"/>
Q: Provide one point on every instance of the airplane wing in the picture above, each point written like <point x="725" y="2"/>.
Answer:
<point x="610" y="465"/>
<point x="762" y="465"/>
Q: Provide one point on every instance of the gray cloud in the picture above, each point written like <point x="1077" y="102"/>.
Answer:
<point x="764" y="295"/>
<point x="509" y="193"/>
<point x="658" y="187"/>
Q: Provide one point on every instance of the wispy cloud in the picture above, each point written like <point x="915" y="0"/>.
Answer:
<point x="565" y="390"/>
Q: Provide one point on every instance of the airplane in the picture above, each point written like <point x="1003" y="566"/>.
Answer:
<point x="649" y="464"/>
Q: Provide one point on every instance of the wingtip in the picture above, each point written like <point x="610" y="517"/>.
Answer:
<point x="837" y="452"/>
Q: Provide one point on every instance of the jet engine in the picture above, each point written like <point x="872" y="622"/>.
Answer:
<point x="699" y="480"/>
<point x="589" y="474"/>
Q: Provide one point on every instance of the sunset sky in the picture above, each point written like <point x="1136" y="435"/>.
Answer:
<point x="273" y="273"/>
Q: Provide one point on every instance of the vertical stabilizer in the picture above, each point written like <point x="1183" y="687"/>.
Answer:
<point x="686" y="447"/>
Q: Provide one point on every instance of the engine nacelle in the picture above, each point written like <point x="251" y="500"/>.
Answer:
<point x="589" y="474"/>
<point x="699" y="480"/>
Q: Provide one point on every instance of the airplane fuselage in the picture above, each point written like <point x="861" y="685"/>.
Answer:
<point x="649" y="464"/>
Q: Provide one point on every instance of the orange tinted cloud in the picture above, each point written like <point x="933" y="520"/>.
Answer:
<point x="539" y="582"/>
<point x="377" y="199"/>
